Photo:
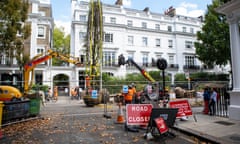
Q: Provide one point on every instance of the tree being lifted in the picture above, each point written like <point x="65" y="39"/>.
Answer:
<point x="94" y="54"/>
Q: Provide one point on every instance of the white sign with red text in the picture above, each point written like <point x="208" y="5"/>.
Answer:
<point x="138" y="114"/>
<point x="184" y="108"/>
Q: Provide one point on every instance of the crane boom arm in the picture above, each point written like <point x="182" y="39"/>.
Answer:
<point x="143" y="72"/>
<point x="29" y="67"/>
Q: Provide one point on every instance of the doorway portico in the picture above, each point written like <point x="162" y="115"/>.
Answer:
<point x="232" y="11"/>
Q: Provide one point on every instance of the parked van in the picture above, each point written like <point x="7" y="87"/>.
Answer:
<point x="7" y="93"/>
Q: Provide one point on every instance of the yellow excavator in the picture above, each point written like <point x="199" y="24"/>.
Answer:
<point x="10" y="92"/>
<point x="29" y="67"/>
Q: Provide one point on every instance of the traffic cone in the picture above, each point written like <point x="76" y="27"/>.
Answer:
<point x="120" y="117"/>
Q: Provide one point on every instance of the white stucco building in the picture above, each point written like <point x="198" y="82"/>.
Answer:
<point x="139" y="34"/>
<point x="142" y="35"/>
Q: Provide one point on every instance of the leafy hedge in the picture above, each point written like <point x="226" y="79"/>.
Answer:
<point x="114" y="84"/>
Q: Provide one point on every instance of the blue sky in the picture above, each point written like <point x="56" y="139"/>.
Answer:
<point x="193" y="8"/>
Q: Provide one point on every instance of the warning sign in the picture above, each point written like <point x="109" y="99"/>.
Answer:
<point x="184" y="108"/>
<point x="161" y="125"/>
<point x="138" y="114"/>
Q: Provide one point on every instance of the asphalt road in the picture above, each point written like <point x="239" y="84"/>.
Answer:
<point x="74" y="123"/>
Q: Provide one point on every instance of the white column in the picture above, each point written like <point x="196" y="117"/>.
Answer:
<point x="235" y="52"/>
<point x="234" y="108"/>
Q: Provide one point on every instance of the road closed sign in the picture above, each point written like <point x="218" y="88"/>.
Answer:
<point x="138" y="114"/>
<point x="184" y="108"/>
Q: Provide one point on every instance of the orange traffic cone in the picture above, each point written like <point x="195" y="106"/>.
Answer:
<point x="120" y="117"/>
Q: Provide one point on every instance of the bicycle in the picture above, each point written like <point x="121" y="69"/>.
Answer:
<point x="51" y="98"/>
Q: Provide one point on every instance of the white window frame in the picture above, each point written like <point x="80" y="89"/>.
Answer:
<point x="144" y="25"/>
<point x="169" y="28"/>
<point x="113" y="20"/>
<point x="109" y="58"/>
<point x="40" y="50"/>
<point x="83" y="18"/>
<point x="188" y="44"/>
<point x="130" y="40"/>
<point x="129" y="23"/>
<point x="170" y="43"/>
<point x="157" y="26"/>
<point x="108" y="37"/>
<point x="130" y="55"/>
<point x="82" y="35"/>
<point x="144" y="41"/>
<point x="158" y="42"/>
<point x="41" y="34"/>
<point x="171" y="59"/>
<point x="184" y="29"/>
<point x="103" y="18"/>
<point x="145" y="59"/>
<point x="189" y="60"/>
<point x="3" y="58"/>
<point x="191" y="30"/>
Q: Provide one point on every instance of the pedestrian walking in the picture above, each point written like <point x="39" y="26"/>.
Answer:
<point x="49" y="94"/>
<point x="55" y="93"/>
<point x="80" y="93"/>
<point x="66" y="91"/>
<point x="212" y="102"/>
<point x="73" y="93"/>
<point x="77" y="92"/>
<point x="206" y="98"/>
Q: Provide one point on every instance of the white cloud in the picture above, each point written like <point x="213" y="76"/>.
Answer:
<point x="127" y="3"/>
<point x="188" y="9"/>
<point x="188" y="5"/>
<point x="65" y="24"/>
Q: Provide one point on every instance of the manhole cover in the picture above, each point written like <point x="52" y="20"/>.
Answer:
<point x="224" y="123"/>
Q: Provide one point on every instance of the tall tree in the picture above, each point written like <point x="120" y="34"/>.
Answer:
<point x="94" y="40"/>
<point x="14" y="30"/>
<point x="61" y="44"/>
<point x="213" y="46"/>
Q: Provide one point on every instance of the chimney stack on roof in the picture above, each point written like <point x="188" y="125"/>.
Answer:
<point x="119" y="2"/>
<point x="146" y="9"/>
<point x="170" y="11"/>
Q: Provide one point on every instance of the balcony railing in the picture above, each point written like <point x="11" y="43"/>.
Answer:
<point x="175" y="66"/>
<point x="193" y="67"/>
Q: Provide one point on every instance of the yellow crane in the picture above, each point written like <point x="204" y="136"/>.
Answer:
<point x="29" y="67"/>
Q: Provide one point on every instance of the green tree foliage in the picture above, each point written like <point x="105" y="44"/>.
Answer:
<point x="61" y="44"/>
<point x="14" y="30"/>
<point x="202" y="76"/>
<point x="213" y="46"/>
<point x="137" y="78"/>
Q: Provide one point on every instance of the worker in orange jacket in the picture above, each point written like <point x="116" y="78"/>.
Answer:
<point x="55" y="93"/>
<point x="129" y="96"/>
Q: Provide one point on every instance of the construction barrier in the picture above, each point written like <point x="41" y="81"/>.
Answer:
<point x="14" y="110"/>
